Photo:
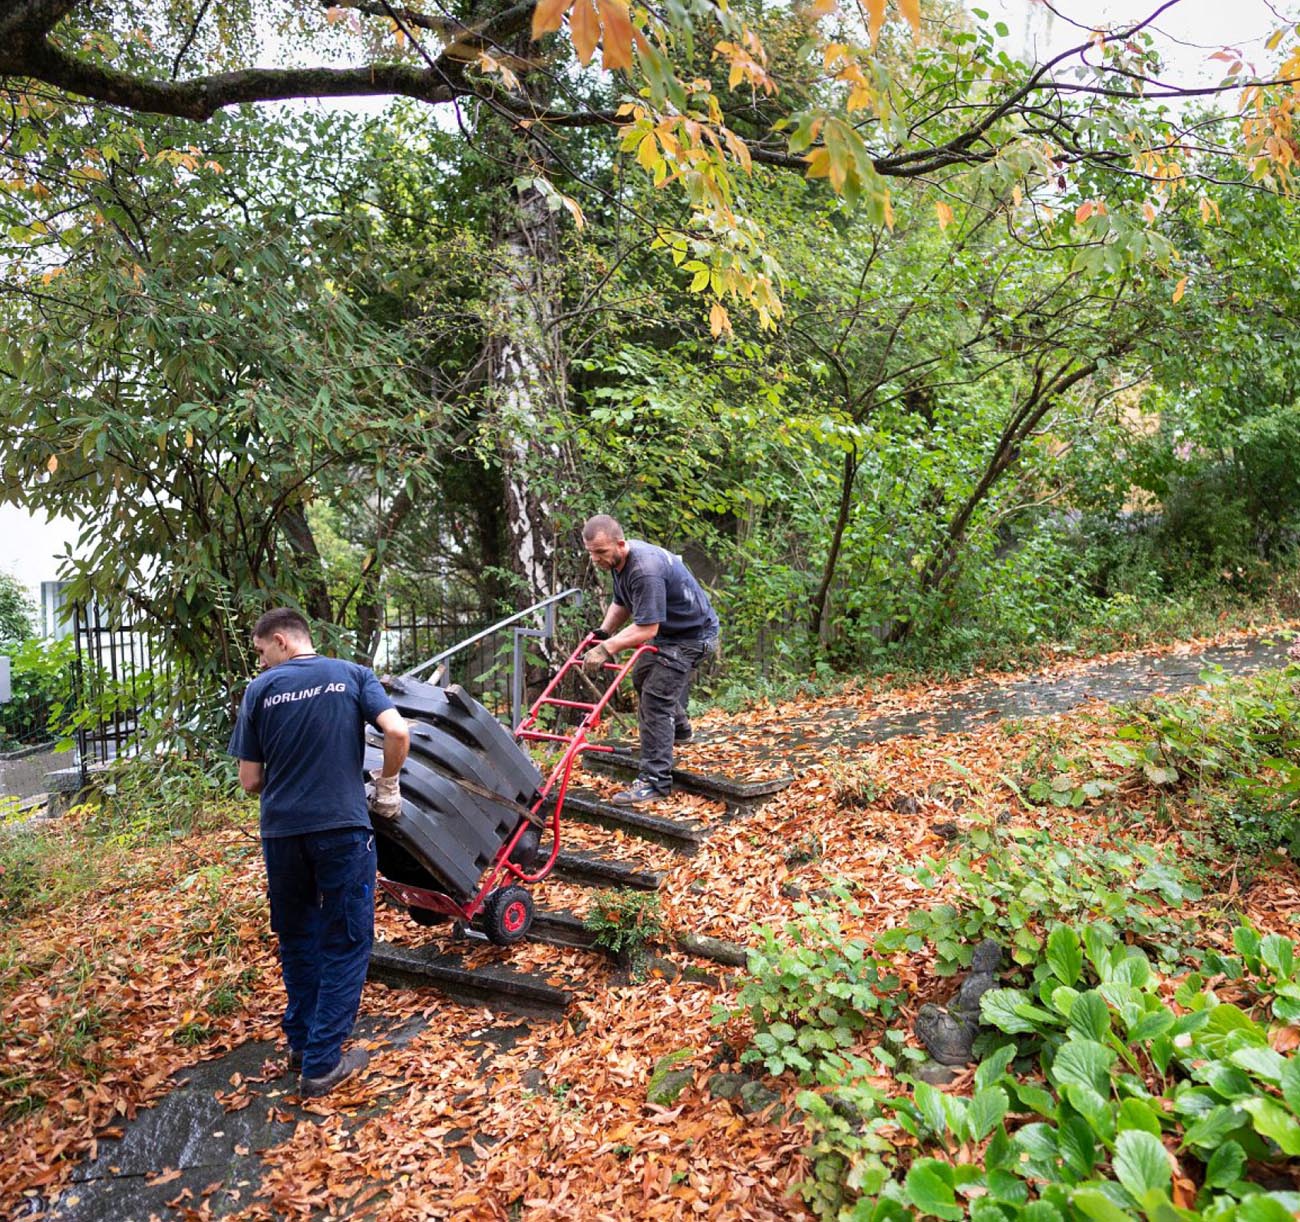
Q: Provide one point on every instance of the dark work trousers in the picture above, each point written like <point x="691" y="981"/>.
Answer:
<point x="663" y="684"/>
<point x="322" y="891"/>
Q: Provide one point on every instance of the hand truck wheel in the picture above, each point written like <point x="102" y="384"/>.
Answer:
<point x="507" y="915"/>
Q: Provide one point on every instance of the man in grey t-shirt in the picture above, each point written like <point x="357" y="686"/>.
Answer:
<point x="656" y="598"/>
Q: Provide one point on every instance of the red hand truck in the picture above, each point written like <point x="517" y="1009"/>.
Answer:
<point x="504" y="904"/>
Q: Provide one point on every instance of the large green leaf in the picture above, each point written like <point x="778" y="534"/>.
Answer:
<point x="1141" y="1163"/>
<point x="1138" y="1114"/>
<point x="1084" y="1062"/>
<point x="1273" y="1121"/>
<point x="1211" y="1128"/>
<point x="1262" y="1062"/>
<point x="1064" y="954"/>
<point x="1003" y="1008"/>
<point x="1278" y="954"/>
<point x="1225" y="1165"/>
<point x="1090" y="1016"/>
<point x="1289" y="1081"/>
<point x="1095" y="1204"/>
<point x="1150" y="1025"/>
<point x="1264" y="1207"/>
<point x="987" y="1107"/>
<point x="930" y="1187"/>
<point x="1078" y="1145"/>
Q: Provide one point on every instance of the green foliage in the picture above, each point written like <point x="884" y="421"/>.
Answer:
<point x="163" y="795"/>
<point x="1237" y="741"/>
<point x="1131" y="1067"/>
<point x="17" y="614"/>
<point x="809" y="990"/>
<point x="1014" y="888"/>
<point x="625" y="921"/>
<point x="41" y="674"/>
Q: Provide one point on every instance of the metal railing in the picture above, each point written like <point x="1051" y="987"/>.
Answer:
<point x="441" y="671"/>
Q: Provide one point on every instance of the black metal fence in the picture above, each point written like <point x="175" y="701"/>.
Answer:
<point x="124" y="683"/>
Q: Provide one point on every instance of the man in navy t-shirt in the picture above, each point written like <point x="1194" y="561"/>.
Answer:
<point x="658" y="594"/>
<point x="300" y="738"/>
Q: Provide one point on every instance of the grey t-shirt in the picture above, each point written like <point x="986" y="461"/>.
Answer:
<point x="657" y="588"/>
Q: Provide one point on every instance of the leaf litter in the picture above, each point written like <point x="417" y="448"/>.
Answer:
<point x="99" y="997"/>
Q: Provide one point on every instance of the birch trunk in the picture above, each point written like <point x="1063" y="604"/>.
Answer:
<point x="528" y="376"/>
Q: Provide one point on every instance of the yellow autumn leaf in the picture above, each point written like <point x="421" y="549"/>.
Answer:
<point x="584" y="25"/>
<point x="575" y="210"/>
<point x="911" y="10"/>
<point x="944" y="213"/>
<point x="719" y="319"/>
<point x="1149" y="212"/>
<point x="875" y="17"/>
<point x="549" y="15"/>
<point x="700" y="281"/>
<point x="1180" y="290"/>
<point x="53" y="465"/>
<point x="616" y="44"/>
<point x="1017" y="196"/>
<point x="646" y="152"/>
<point x="189" y="439"/>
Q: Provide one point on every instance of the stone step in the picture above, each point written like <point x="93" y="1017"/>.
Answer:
<point x="501" y="988"/>
<point x="589" y="870"/>
<point x="684" y="835"/>
<point x="706" y="785"/>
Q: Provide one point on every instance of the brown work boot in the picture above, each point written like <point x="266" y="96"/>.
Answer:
<point x="352" y="1061"/>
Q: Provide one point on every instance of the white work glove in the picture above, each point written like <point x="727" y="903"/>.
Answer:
<point x="386" y="797"/>
<point x="595" y="658"/>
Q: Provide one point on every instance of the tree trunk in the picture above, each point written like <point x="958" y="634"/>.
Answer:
<point x="850" y="474"/>
<point x="1047" y="391"/>
<point x="528" y="377"/>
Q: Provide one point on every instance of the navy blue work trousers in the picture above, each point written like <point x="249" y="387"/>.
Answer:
<point x="321" y="886"/>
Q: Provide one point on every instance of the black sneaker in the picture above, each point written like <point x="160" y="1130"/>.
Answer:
<point x="352" y="1061"/>
<point x="639" y="793"/>
<point x="295" y="1061"/>
<point x="683" y="733"/>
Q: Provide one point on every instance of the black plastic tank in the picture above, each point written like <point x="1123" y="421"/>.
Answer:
<point x="465" y="787"/>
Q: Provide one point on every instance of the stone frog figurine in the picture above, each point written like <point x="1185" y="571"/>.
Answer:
<point x="948" y="1033"/>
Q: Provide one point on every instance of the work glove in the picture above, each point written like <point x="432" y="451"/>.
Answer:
<point x="595" y="658"/>
<point x="386" y="797"/>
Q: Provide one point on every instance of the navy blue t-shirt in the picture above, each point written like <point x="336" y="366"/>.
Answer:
<point x="658" y="588"/>
<point x="304" y="722"/>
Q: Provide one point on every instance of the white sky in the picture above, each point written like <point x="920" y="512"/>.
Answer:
<point x="29" y="544"/>
<point x="1190" y="32"/>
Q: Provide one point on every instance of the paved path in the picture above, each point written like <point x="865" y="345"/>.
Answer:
<point x="1115" y="682"/>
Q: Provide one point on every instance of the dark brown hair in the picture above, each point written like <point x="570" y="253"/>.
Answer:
<point x="284" y="620"/>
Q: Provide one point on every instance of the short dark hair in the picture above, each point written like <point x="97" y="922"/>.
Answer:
<point x="602" y="524"/>
<point x="282" y="619"/>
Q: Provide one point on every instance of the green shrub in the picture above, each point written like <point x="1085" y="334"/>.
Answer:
<point x="624" y="921"/>
<point x="41" y="677"/>
<point x="809" y="990"/>
<point x="1117" y="1068"/>
<point x="1029" y="882"/>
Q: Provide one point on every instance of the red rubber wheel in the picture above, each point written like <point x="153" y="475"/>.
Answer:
<point x="508" y="915"/>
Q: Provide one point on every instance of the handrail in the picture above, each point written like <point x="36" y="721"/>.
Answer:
<point x="415" y="671"/>
<point x="548" y="605"/>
